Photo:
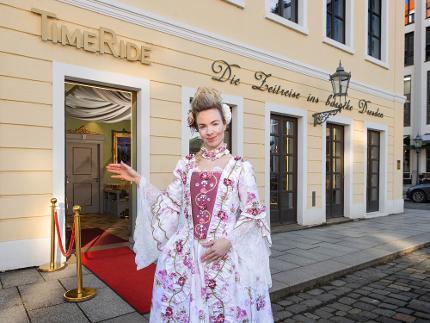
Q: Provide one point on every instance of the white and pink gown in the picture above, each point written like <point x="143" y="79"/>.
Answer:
<point x="202" y="206"/>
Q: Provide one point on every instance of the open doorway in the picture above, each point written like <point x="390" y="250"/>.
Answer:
<point x="100" y="127"/>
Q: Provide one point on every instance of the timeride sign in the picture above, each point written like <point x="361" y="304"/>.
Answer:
<point x="103" y="41"/>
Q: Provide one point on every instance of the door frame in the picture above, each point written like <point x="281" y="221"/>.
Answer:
<point x="342" y="171"/>
<point x="347" y="165"/>
<point x="282" y="118"/>
<point x="91" y="139"/>
<point x="61" y="72"/>
<point x="370" y="205"/>
<point x="302" y="158"/>
<point x="383" y="129"/>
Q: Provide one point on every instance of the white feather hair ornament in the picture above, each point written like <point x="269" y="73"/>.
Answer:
<point x="226" y="112"/>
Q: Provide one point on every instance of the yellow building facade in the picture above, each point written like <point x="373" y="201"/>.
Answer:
<point x="272" y="72"/>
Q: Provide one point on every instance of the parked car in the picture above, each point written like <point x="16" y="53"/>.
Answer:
<point x="419" y="193"/>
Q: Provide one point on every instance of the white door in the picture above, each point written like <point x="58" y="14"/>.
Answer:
<point x="83" y="177"/>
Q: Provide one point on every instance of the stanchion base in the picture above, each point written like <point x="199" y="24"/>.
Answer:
<point x="72" y="295"/>
<point x="57" y="266"/>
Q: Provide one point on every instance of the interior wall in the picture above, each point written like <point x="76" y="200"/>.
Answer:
<point x="105" y="129"/>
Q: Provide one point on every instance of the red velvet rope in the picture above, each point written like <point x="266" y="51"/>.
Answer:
<point x="60" y="242"/>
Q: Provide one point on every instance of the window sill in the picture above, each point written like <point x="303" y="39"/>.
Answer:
<point x="287" y="23"/>
<point x="338" y="45"/>
<point x="376" y="61"/>
<point x="237" y="3"/>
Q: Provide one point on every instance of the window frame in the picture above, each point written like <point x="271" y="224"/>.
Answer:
<point x="349" y="24"/>
<point x="407" y="158"/>
<point x="294" y="3"/>
<point x="408" y="100"/>
<point x="235" y="102"/>
<point x="371" y="33"/>
<point x="427" y="45"/>
<point x="302" y="17"/>
<point x="383" y="61"/>
<point x="333" y="19"/>
<point x="229" y="132"/>
<point x="428" y="99"/>
<point x="408" y="14"/>
<point x="413" y="50"/>
<point x="427" y="159"/>
<point x="427" y="9"/>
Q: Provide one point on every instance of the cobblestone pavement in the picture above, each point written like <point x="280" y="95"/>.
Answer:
<point x="398" y="291"/>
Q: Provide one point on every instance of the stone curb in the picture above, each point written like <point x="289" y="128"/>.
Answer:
<point x="315" y="282"/>
<point x="292" y="228"/>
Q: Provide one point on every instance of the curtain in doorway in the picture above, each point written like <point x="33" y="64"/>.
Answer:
<point x="93" y="104"/>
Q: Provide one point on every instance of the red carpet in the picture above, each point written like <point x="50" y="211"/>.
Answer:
<point x="92" y="237"/>
<point x="116" y="267"/>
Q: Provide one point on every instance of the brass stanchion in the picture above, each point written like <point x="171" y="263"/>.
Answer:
<point x="52" y="266"/>
<point x="80" y="294"/>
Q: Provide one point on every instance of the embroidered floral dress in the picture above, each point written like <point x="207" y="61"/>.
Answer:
<point x="200" y="206"/>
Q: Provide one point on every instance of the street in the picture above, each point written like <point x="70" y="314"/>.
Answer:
<point x="398" y="291"/>
<point x="421" y="206"/>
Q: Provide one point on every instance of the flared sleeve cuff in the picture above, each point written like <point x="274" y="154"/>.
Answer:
<point x="145" y="246"/>
<point x="250" y="237"/>
<point x="157" y="216"/>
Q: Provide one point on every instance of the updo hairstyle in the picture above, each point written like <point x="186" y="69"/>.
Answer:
<point x="205" y="99"/>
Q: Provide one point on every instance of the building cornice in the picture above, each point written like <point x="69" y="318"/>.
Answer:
<point x="138" y="16"/>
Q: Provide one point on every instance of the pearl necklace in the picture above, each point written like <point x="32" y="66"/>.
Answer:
<point x="214" y="154"/>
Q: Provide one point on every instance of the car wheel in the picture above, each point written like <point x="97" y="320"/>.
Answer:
<point x="418" y="196"/>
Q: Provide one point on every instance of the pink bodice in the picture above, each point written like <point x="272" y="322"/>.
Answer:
<point x="204" y="187"/>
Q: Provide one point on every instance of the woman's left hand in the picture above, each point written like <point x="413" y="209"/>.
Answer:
<point x="217" y="249"/>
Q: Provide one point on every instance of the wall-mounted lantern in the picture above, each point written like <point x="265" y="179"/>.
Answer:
<point x="340" y="83"/>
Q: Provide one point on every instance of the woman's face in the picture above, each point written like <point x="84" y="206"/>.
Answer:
<point x="211" y="128"/>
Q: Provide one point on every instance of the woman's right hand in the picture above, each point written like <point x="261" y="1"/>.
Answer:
<point x="123" y="172"/>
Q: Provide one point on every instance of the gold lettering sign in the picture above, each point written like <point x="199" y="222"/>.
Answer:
<point x="229" y="73"/>
<point x="103" y="41"/>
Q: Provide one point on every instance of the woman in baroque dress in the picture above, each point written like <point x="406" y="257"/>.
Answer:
<point x="208" y="230"/>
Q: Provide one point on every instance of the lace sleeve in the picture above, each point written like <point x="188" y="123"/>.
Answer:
<point x="250" y="237"/>
<point x="157" y="216"/>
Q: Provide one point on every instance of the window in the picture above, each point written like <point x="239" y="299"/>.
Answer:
<point x="407" y="105"/>
<point x="195" y="142"/>
<point x="428" y="9"/>
<point x="290" y="13"/>
<point x="428" y="159"/>
<point x="335" y="20"/>
<point x="190" y="142"/>
<point x="374" y="28"/>
<point x="376" y="33"/>
<point x="428" y="97"/>
<point x="427" y="44"/>
<point x="288" y="9"/>
<point x="406" y="161"/>
<point x="410" y="11"/>
<point x="407" y="175"/>
<point x="409" y="49"/>
<point x="338" y="23"/>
